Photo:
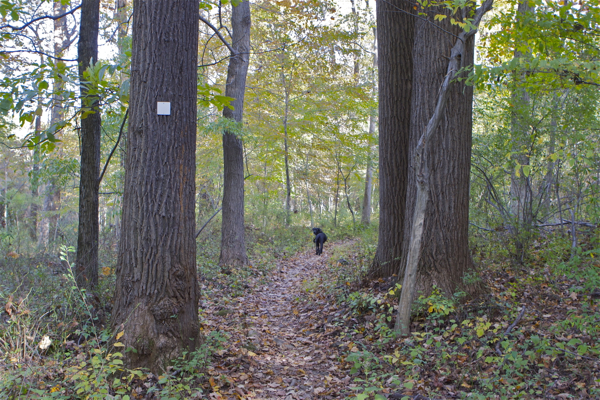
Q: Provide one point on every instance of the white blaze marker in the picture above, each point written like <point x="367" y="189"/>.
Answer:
<point x="163" y="108"/>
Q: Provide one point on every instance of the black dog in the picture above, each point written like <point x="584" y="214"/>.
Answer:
<point x="319" y="239"/>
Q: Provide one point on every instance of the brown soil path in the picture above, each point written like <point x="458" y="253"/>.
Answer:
<point x="282" y="346"/>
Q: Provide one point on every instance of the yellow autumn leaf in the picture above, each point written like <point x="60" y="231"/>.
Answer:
<point x="106" y="271"/>
<point x="120" y="335"/>
<point x="251" y="354"/>
<point x="119" y="344"/>
<point x="55" y="389"/>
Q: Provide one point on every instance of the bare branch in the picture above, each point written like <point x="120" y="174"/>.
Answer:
<point x="53" y="17"/>
<point x="211" y="26"/>
<point x="114" y="148"/>
<point x="37" y="52"/>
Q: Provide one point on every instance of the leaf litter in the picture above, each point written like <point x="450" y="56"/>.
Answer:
<point x="281" y="344"/>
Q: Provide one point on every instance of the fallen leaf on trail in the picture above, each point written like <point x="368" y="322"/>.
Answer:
<point x="12" y="254"/>
<point x="573" y="295"/>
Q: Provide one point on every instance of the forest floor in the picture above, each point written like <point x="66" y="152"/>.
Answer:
<point x="298" y="326"/>
<point x="312" y="329"/>
<point x="281" y="345"/>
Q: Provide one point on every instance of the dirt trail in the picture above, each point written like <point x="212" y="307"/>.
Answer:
<point x="281" y="346"/>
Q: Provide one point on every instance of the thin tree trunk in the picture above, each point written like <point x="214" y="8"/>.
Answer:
<point x="521" y="196"/>
<point x="121" y="7"/>
<point x="367" y="197"/>
<point x="337" y="189"/>
<point x="156" y="296"/>
<point x="86" y="270"/>
<point x="346" y="177"/>
<point x="35" y="184"/>
<point x="557" y="188"/>
<point x="233" y="242"/>
<point x="395" y="33"/>
<point x="288" y="185"/>
<point x="310" y="207"/>
<point x="52" y="192"/>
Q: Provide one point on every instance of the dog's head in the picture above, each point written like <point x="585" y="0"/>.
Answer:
<point x="316" y="231"/>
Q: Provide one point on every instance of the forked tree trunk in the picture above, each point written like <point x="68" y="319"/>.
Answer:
<point x="156" y="297"/>
<point x="395" y="30"/>
<point x="86" y="270"/>
<point x="436" y="238"/>
<point x="233" y="242"/>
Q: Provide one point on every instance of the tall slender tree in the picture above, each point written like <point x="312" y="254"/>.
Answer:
<point x="63" y="38"/>
<point x="366" y="206"/>
<point x="521" y="193"/>
<point x="86" y="271"/>
<point x="157" y="292"/>
<point x="233" y="242"/>
<point x="395" y="32"/>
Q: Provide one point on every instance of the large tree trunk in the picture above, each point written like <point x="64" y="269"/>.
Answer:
<point x="157" y="293"/>
<point x="233" y="242"/>
<point x="86" y="271"/>
<point x="424" y="251"/>
<point x="444" y="255"/>
<point x="395" y="30"/>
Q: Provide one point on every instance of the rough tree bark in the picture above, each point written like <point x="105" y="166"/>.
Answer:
<point x="157" y="292"/>
<point x="436" y="231"/>
<point x="86" y="269"/>
<point x="395" y="32"/>
<point x="233" y="242"/>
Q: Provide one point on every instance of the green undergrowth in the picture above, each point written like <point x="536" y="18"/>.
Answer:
<point x="532" y="333"/>
<point x="55" y="342"/>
